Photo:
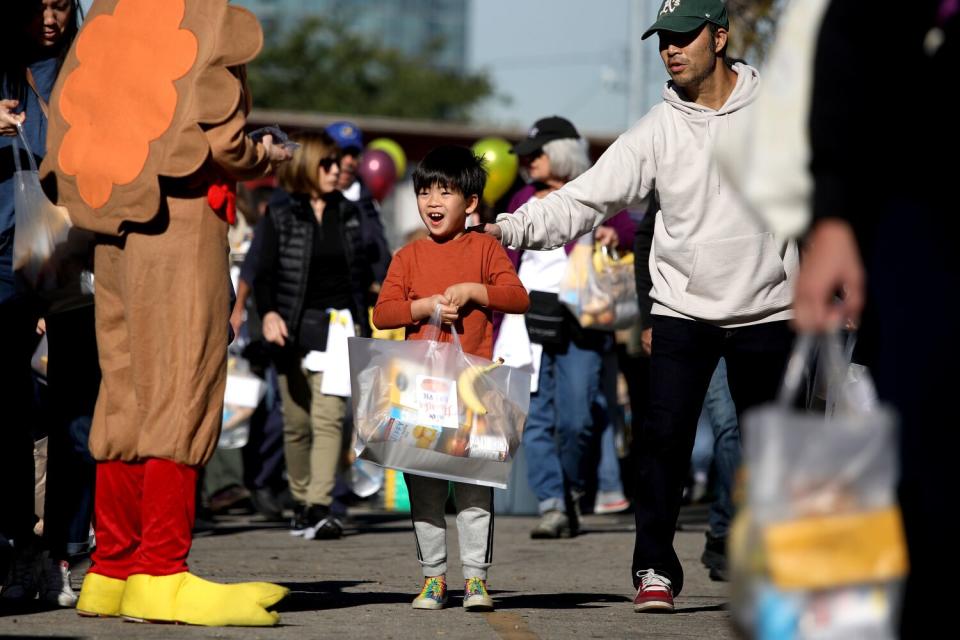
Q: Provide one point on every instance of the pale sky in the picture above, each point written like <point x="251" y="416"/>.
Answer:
<point x="564" y="57"/>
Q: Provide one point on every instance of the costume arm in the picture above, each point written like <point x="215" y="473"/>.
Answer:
<point x="505" y="292"/>
<point x="622" y="178"/>
<point x="393" y="309"/>
<point x="235" y="152"/>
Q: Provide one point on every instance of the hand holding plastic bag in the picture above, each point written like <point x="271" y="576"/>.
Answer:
<point x="50" y="253"/>
<point x="428" y="408"/>
<point x="40" y="225"/>
<point x="819" y="551"/>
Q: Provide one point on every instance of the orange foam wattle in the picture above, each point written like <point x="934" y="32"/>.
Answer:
<point x="121" y="95"/>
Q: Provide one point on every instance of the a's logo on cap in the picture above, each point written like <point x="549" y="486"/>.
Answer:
<point x="533" y="132"/>
<point x="669" y="6"/>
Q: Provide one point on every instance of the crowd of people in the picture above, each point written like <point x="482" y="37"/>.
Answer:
<point x="130" y="405"/>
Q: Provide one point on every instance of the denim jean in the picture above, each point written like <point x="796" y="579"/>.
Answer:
<point x="560" y="424"/>
<point x="685" y="356"/>
<point x="608" y="471"/>
<point x="263" y="461"/>
<point x="721" y="414"/>
<point x="608" y="416"/>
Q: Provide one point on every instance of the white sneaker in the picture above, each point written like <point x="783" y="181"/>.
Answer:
<point x="56" y="584"/>
<point x="610" y="502"/>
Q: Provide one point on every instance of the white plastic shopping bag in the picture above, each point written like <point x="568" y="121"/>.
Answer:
<point x="599" y="286"/>
<point x="426" y="407"/>
<point x="50" y="253"/>
<point x="242" y="395"/>
<point x="818" y="552"/>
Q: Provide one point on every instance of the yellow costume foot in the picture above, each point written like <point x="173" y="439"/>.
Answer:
<point x="183" y="597"/>
<point x="100" y="596"/>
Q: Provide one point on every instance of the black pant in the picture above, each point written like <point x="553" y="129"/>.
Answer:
<point x="685" y="353"/>
<point x="913" y="280"/>
<point x="18" y="415"/>
<point x="73" y="382"/>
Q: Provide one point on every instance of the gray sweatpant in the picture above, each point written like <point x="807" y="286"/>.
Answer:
<point x="428" y="497"/>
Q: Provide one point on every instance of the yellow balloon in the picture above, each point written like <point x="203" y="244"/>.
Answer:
<point x="501" y="167"/>
<point x="394" y="150"/>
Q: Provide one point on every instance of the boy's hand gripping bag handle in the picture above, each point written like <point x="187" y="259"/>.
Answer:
<point x="435" y="329"/>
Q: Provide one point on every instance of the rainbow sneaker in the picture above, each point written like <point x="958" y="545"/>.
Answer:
<point x="433" y="595"/>
<point x="475" y="596"/>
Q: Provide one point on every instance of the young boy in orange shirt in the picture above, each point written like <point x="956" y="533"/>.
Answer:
<point x="470" y="276"/>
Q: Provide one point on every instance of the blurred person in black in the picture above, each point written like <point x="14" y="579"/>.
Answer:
<point x="38" y="36"/>
<point x="349" y="138"/>
<point x="884" y="233"/>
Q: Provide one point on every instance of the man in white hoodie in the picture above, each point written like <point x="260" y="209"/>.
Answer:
<point x="722" y="284"/>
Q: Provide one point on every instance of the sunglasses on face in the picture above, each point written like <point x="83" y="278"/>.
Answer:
<point x="328" y="162"/>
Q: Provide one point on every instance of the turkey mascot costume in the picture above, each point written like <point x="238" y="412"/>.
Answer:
<point x="146" y="144"/>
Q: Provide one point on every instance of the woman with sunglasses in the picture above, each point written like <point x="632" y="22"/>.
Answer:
<point x="314" y="272"/>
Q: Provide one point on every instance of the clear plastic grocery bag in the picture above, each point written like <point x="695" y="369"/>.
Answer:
<point x="40" y="225"/>
<point x="599" y="287"/>
<point x="426" y="407"/>
<point x="818" y="552"/>
<point x="243" y="393"/>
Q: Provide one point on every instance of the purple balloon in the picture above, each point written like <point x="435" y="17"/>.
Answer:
<point x="378" y="172"/>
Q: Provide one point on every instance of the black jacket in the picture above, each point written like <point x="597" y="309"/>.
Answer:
<point x="283" y="268"/>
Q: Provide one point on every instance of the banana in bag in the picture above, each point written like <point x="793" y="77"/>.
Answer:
<point x="426" y="407"/>
<point x="599" y="287"/>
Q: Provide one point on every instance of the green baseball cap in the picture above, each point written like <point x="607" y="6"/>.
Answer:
<point x="684" y="16"/>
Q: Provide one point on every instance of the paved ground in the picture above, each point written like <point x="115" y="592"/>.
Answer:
<point x="361" y="586"/>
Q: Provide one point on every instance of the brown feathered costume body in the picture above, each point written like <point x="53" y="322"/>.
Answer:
<point x="146" y="120"/>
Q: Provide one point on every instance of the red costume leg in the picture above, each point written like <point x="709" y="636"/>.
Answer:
<point x="118" y="529"/>
<point x="169" y="499"/>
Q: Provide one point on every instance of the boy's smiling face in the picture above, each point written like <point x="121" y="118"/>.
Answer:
<point x="444" y="210"/>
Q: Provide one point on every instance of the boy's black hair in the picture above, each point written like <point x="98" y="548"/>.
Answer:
<point x="453" y="167"/>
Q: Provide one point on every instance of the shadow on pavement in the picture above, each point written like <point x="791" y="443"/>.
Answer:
<point x="317" y="596"/>
<point x="24" y="609"/>
<point x="723" y="606"/>
<point x="557" y="600"/>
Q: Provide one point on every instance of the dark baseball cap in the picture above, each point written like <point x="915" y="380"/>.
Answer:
<point x="684" y="16"/>
<point x="542" y="132"/>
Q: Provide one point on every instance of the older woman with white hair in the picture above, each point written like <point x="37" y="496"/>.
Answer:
<point x="568" y="400"/>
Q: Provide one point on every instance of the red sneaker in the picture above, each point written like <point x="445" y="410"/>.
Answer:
<point x="654" y="594"/>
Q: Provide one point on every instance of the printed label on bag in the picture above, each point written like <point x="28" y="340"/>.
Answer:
<point x="437" y="402"/>
<point x="414" y="435"/>
<point x="488" y="447"/>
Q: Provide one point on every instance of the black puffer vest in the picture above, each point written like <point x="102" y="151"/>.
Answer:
<point x="295" y="224"/>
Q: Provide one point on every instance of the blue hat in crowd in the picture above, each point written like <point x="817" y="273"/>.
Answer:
<point x="346" y="135"/>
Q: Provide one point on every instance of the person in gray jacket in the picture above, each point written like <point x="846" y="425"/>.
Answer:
<point x="722" y="284"/>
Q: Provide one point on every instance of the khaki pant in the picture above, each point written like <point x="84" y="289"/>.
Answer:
<point x="312" y="435"/>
